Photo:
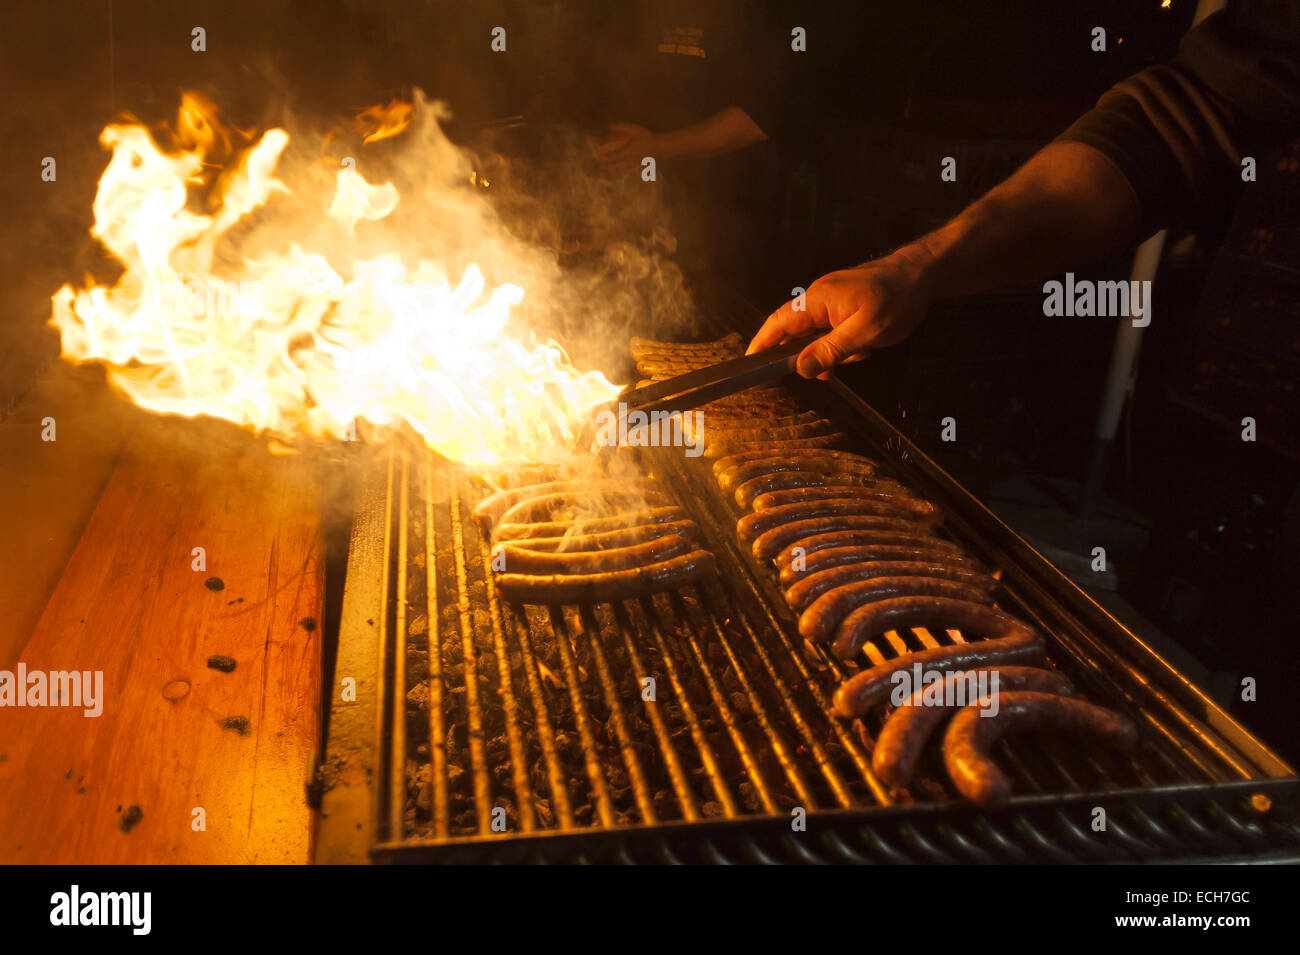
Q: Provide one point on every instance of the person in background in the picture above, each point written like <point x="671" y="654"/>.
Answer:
<point x="693" y="87"/>
<point x="1157" y="145"/>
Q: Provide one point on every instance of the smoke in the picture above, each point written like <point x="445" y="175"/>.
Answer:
<point x="590" y="247"/>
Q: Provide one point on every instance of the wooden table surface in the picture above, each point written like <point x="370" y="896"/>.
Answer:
<point x="217" y="762"/>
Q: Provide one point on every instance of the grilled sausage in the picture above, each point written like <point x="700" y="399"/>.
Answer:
<point x="839" y="556"/>
<point x="801" y="594"/>
<point x="527" y="475"/>
<point x="866" y="621"/>
<point x="1013" y="642"/>
<point x="775" y="481"/>
<point x="919" y="509"/>
<point x="731" y="344"/>
<point x="910" y="535"/>
<point x="731" y="478"/>
<point x="822" y="617"/>
<point x="608" y="540"/>
<point x="751" y="413"/>
<point x="550" y="506"/>
<point x="670" y="368"/>
<point x="740" y="420"/>
<point x="750" y="432"/>
<point x="685" y="356"/>
<point x="834" y="484"/>
<point x="857" y="461"/>
<point x="909" y="726"/>
<point x="970" y="735"/>
<point x="745" y="401"/>
<point x="816" y="441"/>
<point x="841" y="484"/>
<point x="772" y="542"/>
<point x="605" y="587"/>
<point x="595" y="525"/>
<point x="752" y="525"/>
<point x="489" y="510"/>
<point x="515" y="559"/>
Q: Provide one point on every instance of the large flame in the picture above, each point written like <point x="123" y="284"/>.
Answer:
<point x="302" y="337"/>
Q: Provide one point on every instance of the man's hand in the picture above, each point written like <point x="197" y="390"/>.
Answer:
<point x="870" y="306"/>
<point x="625" y="144"/>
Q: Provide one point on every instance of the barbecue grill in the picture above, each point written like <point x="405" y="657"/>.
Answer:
<point x="693" y="727"/>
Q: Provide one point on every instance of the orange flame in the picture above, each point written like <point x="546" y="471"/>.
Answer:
<point x="303" y="339"/>
<point x="384" y="122"/>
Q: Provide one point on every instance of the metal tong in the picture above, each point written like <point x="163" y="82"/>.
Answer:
<point x="682" y="393"/>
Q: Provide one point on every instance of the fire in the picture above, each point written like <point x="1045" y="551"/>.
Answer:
<point x="279" y="325"/>
<point x="382" y="122"/>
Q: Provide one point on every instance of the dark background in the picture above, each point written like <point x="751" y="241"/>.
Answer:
<point x="883" y="92"/>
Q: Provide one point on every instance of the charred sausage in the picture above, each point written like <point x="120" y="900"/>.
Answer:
<point x="765" y="432"/>
<point x="866" y="621"/>
<point x="755" y="487"/>
<point x="794" y="571"/>
<point x="816" y="441"/>
<point x="823" y="616"/>
<point x="856" y="461"/>
<point x="970" y="735"/>
<point x="1013" y="642"/>
<point x="605" y="587"/>
<point x="731" y="478"/>
<point x="836" y="484"/>
<point x="802" y="593"/>
<point x="772" y="542"/>
<point x="921" y="510"/>
<point x="910" y="535"/>
<point x="910" y="725"/>
<point x="752" y="525"/>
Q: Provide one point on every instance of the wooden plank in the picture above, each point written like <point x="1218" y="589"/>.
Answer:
<point x="130" y="604"/>
<point x="48" y="489"/>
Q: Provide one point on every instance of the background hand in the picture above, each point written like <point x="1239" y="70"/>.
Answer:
<point x="624" y="144"/>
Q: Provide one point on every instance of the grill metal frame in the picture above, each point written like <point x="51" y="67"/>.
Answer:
<point x="1211" y="792"/>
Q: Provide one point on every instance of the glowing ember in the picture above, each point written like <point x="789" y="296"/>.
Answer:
<point x="295" y="334"/>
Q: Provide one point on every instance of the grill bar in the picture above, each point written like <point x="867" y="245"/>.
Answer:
<point x="397" y="785"/>
<point x="478" y="754"/>
<point x="514" y="735"/>
<point x="437" y="718"/>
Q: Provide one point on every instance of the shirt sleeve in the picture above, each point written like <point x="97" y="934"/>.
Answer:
<point x="1178" y="132"/>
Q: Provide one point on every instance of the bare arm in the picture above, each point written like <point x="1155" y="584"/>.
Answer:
<point x="1067" y="206"/>
<point x="726" y="131"/>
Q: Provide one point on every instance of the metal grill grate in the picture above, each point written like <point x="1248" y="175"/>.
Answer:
<point x="521" y="733"/>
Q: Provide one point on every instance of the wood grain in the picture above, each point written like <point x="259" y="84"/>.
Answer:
<point x="48" y="489"/>
<point x="130" y="604"/>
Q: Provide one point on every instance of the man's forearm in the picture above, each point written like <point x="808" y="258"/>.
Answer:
<point x="1069" y="205"/>
<point x="723" y="132"/>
